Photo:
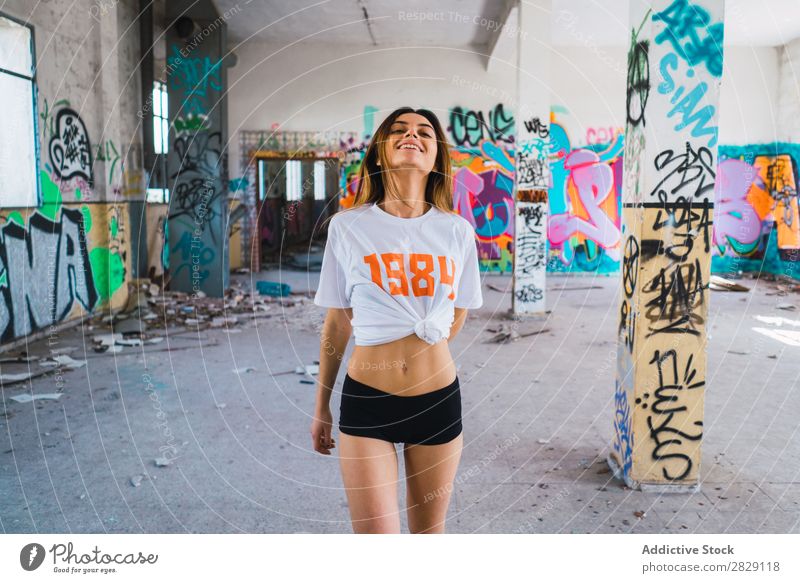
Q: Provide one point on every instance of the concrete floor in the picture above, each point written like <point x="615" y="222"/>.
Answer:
<point x="537" y="417"/>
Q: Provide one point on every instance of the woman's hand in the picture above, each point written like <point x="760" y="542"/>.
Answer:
<point x="321" y="436"/>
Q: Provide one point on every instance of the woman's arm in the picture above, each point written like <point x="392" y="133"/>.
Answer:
<point x="459" y="318"/>
<point x="336" y="331"/>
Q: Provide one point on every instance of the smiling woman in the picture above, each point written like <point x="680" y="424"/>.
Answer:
<point x="400" y="270"/>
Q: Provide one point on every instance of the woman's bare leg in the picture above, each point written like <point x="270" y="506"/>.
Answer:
<point x="369" y="472"/>
<point x="430" y="471"/>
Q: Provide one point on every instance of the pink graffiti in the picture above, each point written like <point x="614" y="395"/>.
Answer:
<point x="594" y="183"/>
<point x="466" y="181"/>
<point x="602" y="135"/>
<point x="734" y="179"/>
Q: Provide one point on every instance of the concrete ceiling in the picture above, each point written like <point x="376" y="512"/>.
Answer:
<point x="470" y="23"/>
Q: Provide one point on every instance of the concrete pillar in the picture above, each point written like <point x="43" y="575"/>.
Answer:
<point x="674" y="71"/>
<point x="196" y="163"/>
<point x="532" y="169"/>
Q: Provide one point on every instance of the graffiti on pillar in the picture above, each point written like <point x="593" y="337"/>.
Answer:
<point x="532" y="160"/>
<point x="694" y="42"/>
<point x="195" y="77"/>
<point x="483" y="183"/>
<point x="531" y="253"/>
<point x="70" y="149"/>
<point x="535" y="127"/>
<point x="638" y="82"/>
<point x="688" y="28"/>
<point x="671" y="425"/>
<point x="470" y="128"/>
<point x="584" y="205"/>
<point x="196" y="194"/>
<point x="623" y="441"/>
<point x="688" y="109"/>
<point x="684" y="175"/>
<point x="668" y="206"/>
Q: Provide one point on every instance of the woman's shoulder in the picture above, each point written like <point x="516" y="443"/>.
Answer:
<point x="462" y="224"/>
<point x="344" y="217"/>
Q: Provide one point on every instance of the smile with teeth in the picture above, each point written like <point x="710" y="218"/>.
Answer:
<point x="410" y="147"/>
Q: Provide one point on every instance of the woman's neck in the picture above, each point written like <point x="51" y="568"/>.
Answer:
<point x="405" y="194"/>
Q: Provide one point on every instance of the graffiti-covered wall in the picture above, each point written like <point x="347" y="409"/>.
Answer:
<point x="756" y="224"/>
<point x="60" y="261"/>
<point x="70" y="254"/>
<point x="483" y="173"/>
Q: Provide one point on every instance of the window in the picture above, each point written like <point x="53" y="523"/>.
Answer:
<point x="294" y="181"/>
<point x="19" y="155"/>
<point x="319" y="180"/>
<point x="157" y="191"/>
<point x="261" y="180"/>
<point x="160" y="118"/>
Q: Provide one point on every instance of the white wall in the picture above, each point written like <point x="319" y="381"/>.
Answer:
<point x="325" y="87"/>
<point x="749" y="96"/>
<point x="789" y="93"/>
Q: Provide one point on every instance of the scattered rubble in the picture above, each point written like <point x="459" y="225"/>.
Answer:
<point x="153" y="314"/>
<point x="510" y="333"/>
<point x="718" y="283"/>
<point x="162" y="462"/>
<point x="309" y="369"/>
<point x="27" y="398"/>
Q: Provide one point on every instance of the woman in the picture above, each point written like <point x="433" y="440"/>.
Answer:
<point x="400" y="269"/>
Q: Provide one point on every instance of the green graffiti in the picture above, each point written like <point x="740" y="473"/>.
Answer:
<point x="113" y="227"/>
<point x="16" y="217"/>
<point x="108" y="270"/>
<point x="78" y="194"/>
<point x="87" y="218"/>
<point x="51" y="203"/>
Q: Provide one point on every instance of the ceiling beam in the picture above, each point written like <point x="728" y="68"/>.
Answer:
<point x="491" y="46"/>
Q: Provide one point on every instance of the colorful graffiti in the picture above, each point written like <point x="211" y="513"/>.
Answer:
<point x="483" y="194"/>
<point x="196" y="78"/>
<point x="757" y="222"/>
<point x="471" y="128"/>
<point x="60" y="261"/>
<point x="584" y="224"/>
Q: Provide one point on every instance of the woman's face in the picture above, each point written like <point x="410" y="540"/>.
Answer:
<point x="411" y="143"/>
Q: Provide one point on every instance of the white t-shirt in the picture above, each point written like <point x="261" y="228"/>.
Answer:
<point x="400" y="275"/>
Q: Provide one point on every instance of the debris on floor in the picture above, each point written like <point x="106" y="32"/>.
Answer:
<point x="273" y="288"/>
<point x="62" y="361"/>
<point x="27" y="398"/>
<point x="13" y="378"/>
<point x="136" y="480"/>
<point x="309" y="369"/>
<point x="156" y="314"/>
<point x="509" y="333"/>
<point x="718" y="283"/>
<point x="162" y="462"/>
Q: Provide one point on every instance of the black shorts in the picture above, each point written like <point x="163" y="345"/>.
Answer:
<point x="429" y="419"/>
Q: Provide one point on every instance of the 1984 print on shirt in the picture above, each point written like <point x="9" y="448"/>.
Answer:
<point x="401" y="276"/>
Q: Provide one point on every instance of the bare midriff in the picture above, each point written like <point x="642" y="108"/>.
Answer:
<point x="406" y="367"/>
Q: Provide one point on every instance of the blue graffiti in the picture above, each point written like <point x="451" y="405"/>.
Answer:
<point x="686" y="103"/>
